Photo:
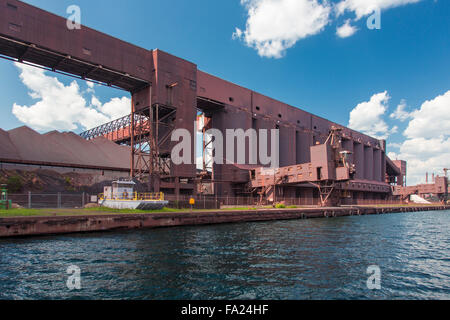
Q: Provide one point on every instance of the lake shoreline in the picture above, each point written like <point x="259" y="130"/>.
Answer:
<point x="55" y="225"/>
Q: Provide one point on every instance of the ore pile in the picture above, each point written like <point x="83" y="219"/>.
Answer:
<point x="54" y="147"/>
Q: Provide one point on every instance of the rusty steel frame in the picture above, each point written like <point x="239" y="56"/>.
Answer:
<point x="326" y="190"/>
<point x="27" y="48"/>
<point x="144" y="131"/>
<point x="59" y="165"/>
<point x="105" y="129"/>
<point x="60" y="72"/>
<point x="207" y="166"/>
<point x="266" y="189"/>
<point x="140" y="145"/>
<point x="146" y="160"/>
<point x="144" y="149"/>
<point x="207" y="173"/>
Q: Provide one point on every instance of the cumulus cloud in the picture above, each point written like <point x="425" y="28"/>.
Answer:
<point x="116" y="107"/>
<point x="90" y="86"/>
<point x="276" y="25"/>
<point x="394" y="145"/>
<point x="346" y="30"/>
<point x="426" y="147"/>
<point x="424" y="155"/>
<point x="427" y="144"/>
<point x="273" y="26"/>
<point x="61" y="107"/>
<point x="367" y="117"/>
<point x="400" y="113"/>
<point x="363" y="8"/>
<point x="432" y="119"/>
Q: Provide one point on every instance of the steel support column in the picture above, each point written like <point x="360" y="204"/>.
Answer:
<point x="132" y="130"/>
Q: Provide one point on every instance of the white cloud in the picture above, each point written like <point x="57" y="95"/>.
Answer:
<point x="424" y="155"/>
<point x="432" y="119"/>
<point x="116" y="107"/>
<point x="273" y="26"/>
<point x="346" y="30"/>
<point x="367" y="117"/>
<point x="400" y="113"/>
<point x="423" y="149"/>
<point x="90" y="88"/>
<point x="62" y="107"/>
<point x="426" y="147"/>
<point x="427" y="144"/>
<point x="394" y="145"/>
<point x="363" y="8"/>
<point x="276" y="25"/>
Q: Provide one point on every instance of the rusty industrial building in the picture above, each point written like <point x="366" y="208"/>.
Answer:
<point x="319" y="159"/>
<point x="437" y="188"/>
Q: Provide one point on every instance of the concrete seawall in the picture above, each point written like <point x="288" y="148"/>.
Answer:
<point x="34" y="226"/>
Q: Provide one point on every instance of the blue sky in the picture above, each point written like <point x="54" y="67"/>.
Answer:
<point x="408" y="58"/>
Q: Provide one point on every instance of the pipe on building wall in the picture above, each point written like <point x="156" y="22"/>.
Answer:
<point x="368" y="163"/>
<point x="359" y="160"/>
<point x="377" y="176"/>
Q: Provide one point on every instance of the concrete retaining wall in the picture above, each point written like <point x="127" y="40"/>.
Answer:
<point x="33" y="226"/>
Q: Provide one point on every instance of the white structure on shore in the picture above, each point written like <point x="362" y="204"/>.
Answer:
<point x="121" y="195"/>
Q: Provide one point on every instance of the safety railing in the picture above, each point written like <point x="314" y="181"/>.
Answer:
<point x="149" y="196"/>
<point x="32" y="200"/>
<point x="135" y="196"/>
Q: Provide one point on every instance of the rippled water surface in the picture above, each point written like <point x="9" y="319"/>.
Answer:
<point x="300" y="259"/>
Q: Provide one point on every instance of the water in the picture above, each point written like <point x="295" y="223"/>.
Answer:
<point x="301" y="259"/>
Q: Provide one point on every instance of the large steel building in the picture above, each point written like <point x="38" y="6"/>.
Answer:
<point x="318" y="159"/>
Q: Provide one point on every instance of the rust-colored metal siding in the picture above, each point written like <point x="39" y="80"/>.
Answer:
<point x="26" y="23"/>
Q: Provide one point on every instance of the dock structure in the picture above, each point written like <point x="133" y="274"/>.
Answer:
<point x="318" y="158"/>
<point x="438" y="188"/>
<point x="36" y="226"/>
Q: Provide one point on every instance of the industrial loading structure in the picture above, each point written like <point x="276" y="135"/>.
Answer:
<point x="436" y="191"/>
<point x="318" y="159"/>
